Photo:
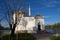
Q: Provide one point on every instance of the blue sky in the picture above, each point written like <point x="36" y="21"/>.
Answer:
<point x="50" y="9"/>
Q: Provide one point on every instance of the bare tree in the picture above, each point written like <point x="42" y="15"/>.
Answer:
<point x="1" y="20"/>
<point x="9" y="15"/>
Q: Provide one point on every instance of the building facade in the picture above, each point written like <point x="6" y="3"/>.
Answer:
<point x="28" y="24"/>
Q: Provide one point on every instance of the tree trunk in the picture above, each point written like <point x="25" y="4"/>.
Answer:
<point x="10" y="26"/>
<point x="13" y="29"/>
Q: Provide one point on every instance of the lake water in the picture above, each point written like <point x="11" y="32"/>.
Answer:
<point x="49" y="31"/>
<point x="4" y="31"/>
<point x="53" y="31"/>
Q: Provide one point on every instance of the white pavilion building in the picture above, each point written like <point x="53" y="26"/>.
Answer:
<point x="28" y="23"/>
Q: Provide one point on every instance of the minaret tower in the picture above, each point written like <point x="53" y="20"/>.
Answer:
<point x="29" y="11"/>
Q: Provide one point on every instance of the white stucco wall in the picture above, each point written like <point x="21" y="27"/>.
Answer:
<point x="31" y="24"/>
<point x="41" y="23"/>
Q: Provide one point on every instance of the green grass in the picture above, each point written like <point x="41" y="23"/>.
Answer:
<point x="54" y="37"/>
<point x="20" y="36"/>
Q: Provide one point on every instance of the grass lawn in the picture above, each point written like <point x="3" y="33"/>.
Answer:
<point x="20" y="36"/>
<point x="54" y="37"/>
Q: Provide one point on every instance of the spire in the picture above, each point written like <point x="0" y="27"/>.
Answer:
<point x="29" y="11"/>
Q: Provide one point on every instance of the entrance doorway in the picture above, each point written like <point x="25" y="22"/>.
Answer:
<point x="39" y="27"/>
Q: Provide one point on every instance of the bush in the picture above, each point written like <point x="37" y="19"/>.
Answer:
<point x="21" y="36"/>
<point x="54" y="37"/>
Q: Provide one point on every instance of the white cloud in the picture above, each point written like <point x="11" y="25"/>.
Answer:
<point x="54" y="16"/>
<point x="50" y="3"/>
<point x="47" y="16"/>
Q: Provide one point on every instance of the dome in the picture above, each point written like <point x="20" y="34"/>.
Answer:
<point x="21" y="12"/>
<point x="38" y="16"/>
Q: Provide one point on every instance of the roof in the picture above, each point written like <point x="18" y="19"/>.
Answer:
<point x="38" y="16"/>
<point x="21" y="12"/>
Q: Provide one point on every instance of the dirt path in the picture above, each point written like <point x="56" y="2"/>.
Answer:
<point x="42" y="36"/>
